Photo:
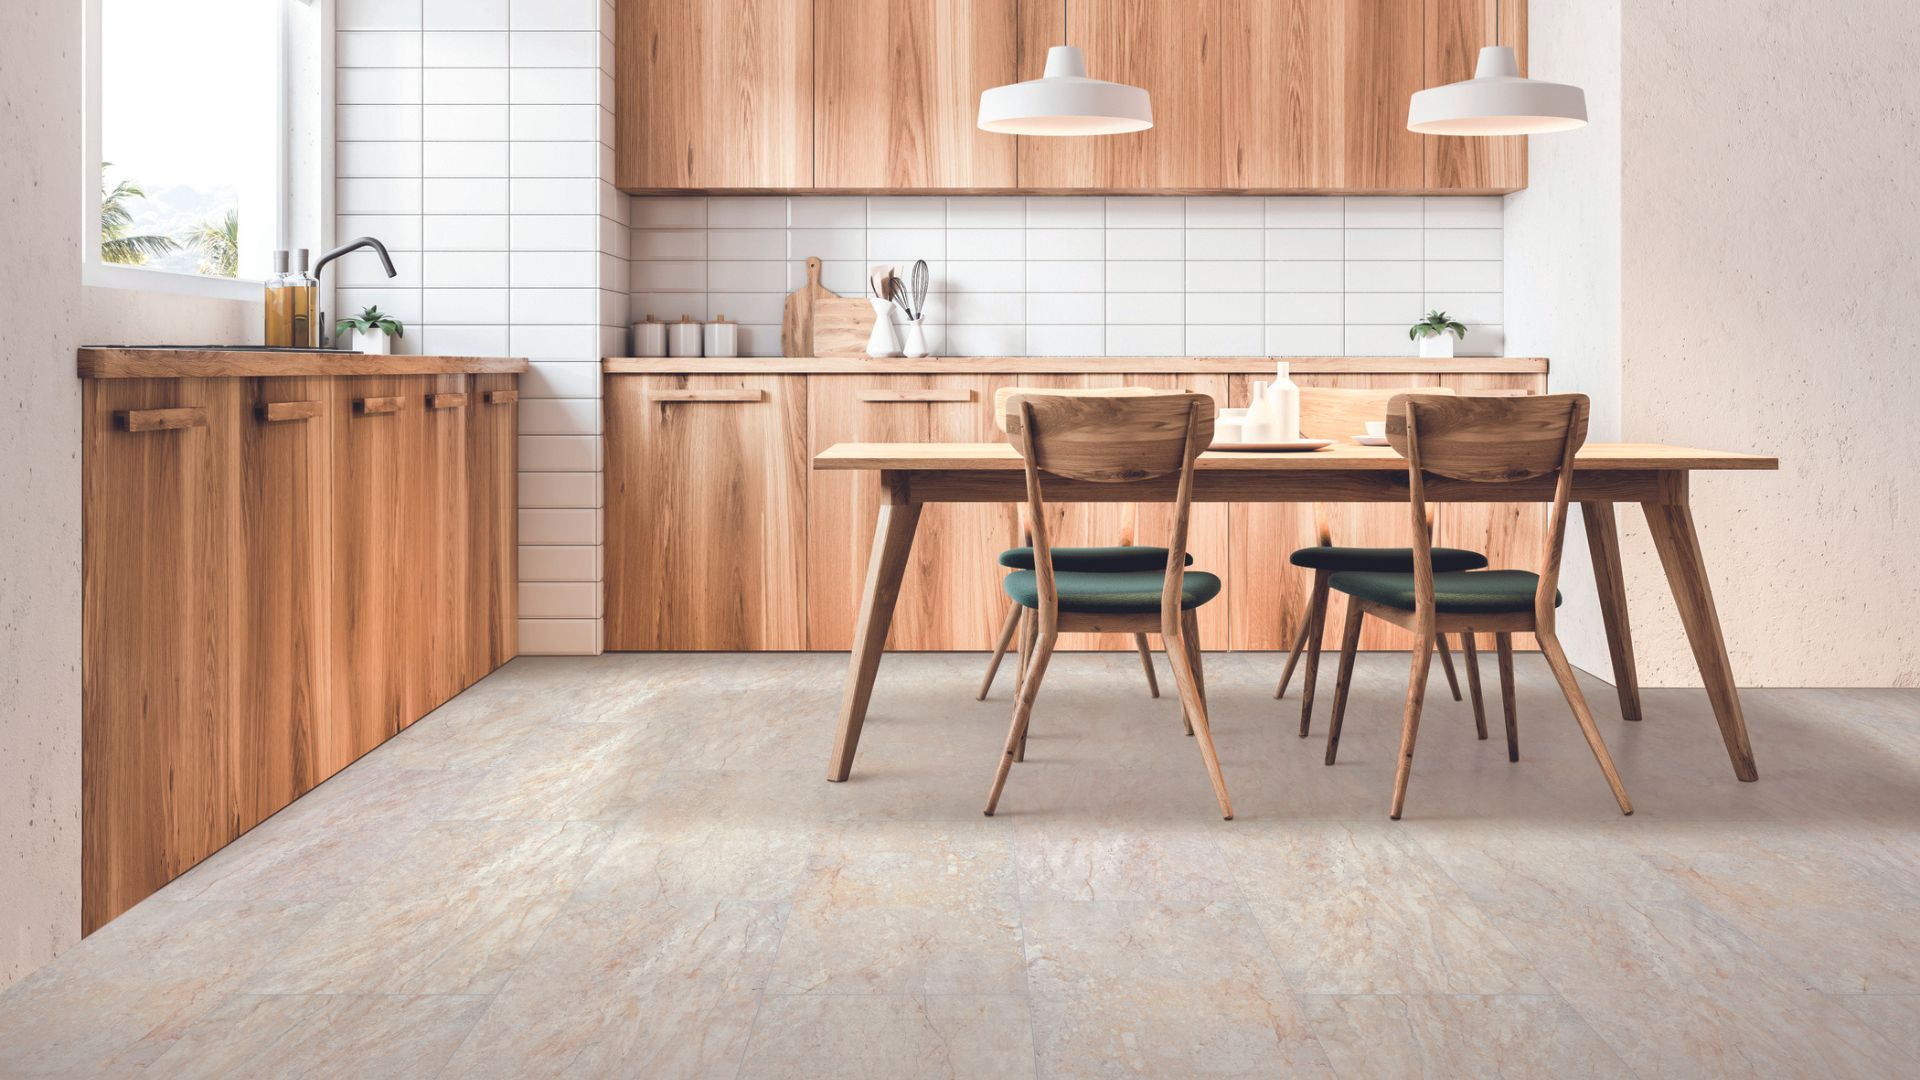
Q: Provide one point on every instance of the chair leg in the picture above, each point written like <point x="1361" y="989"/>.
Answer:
<point x="1190" y="632"/>
<point x="1318" y="614"/>
<point x="1349" y="646"/>
<point x="1000" y="650"/>
<point x="1446" y="664"/>
<point x="1022" y="711"/>
<point x="1146" y="664"/>
<point x="1563" y="673"/>
<point x="1187" y="680"/>
<point x="1293" y="657"/>
<point x="1168" y="647"/>
<point x="1473" y="683"/>
<point x="1410" y="726"/>
<point x="1503" y="642"/>
<point x="1029" y="630"/>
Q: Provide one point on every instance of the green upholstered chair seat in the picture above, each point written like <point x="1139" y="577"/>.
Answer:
<point x="1095" y="559"/>
<point x="1384" y="560"/>
<point x="1481" y="592"/>
<point x="1112" y="593"/>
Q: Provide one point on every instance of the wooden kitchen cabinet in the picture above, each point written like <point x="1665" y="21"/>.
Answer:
<point x="1316" y="93"/>
<point x="1172" y="49"/>
<point x="706" y="512"/>
<point x="714" y="94"/>
<point x="1455" y="31"/>
<point x="378" y="675"/>
<point x="493" y="500"/>
<point x="440" y="550"/>
<point x="897" y="93"/>
<point x="158" y="497"/>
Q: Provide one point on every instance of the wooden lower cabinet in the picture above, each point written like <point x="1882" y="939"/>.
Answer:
<point x="706" y="512"/>
<point x="279" y="575"/>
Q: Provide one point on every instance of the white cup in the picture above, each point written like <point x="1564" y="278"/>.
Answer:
<point x="1226" y="430"/>
<point x="1377" y="429"/>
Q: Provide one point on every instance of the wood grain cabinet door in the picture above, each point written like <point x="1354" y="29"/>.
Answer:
<point x="281" y="604"/>
<point x="897" y="91"/>
<point x="493" y="573"/>
<point x="951" y="596"/>
<point x="1455" y="32"/>
<point x="1171" y="49"/>
<point x="374" y="559"/>
<point x="439" y="520"/>
<point x="159" y="463"/>
<point x="714" y="94"/>
<point x="706" y="531"/>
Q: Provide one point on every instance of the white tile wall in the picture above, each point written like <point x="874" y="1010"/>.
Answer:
<point x="1084" y="275"/>
<point x="470" y="137"/>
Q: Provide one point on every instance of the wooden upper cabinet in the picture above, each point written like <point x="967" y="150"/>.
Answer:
<point x="1171" y="49"/>
<point x="714" y="94"/>
<point x="897" y="89"/>
<point x="1315" y="92"/>
<point x="1455" y="32"/>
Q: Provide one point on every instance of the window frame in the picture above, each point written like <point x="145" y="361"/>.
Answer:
<point x="97" y="272"/>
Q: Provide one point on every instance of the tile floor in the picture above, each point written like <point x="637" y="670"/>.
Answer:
<point x="631" y="866"/>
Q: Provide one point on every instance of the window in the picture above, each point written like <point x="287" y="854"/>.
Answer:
<point x="187" y="125"/>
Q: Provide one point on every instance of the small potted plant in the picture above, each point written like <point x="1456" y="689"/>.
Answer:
<point x="1436" y="334"/>
<point x="373" y="331"/>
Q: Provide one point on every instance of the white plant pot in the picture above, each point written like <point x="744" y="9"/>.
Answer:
<point x="372" y="342"/>
<point x="1436" y="346"/>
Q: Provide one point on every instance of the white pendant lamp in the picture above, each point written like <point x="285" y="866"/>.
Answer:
<point x="1497" y="101"/>
<point x="1065" y="102"/>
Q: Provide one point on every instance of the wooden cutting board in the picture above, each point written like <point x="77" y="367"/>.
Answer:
<point x="796" y="322"/>
<point x="841" y="326"/>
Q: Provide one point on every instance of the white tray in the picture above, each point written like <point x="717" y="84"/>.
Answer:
<point x="1292" y="446"/>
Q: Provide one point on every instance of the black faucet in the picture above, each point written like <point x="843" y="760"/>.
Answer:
<point x="379" y="249"/>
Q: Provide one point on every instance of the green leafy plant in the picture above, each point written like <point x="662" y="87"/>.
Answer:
<point x="116" y="223"/>
<point x="219" y="243"/>
<point x="1435" y="324"/>
<point x="371" y="319"/>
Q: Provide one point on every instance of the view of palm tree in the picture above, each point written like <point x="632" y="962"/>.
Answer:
<point x="116" y="225"/>
<point x="218" y="242"/>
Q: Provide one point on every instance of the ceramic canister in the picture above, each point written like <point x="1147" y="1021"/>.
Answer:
<point x="650" y="338"/>
<point x="722" y="337"/>
<point x="683" y="337"/>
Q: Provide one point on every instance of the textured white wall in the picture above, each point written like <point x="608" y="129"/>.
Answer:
<point x="45" y="313"/>
<point x="1770" y="279"/>
<point x="1563" y="263"/>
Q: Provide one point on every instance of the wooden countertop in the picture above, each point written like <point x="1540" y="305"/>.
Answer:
<point x="160" y="362"/>
<point x="972" y="457"/>
<point x="1076" y="365"/>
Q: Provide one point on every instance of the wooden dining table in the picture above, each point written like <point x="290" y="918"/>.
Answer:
<point x="1656" y="476"/>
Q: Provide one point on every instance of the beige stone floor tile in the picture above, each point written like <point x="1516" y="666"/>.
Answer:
<point x="1896" y="1017"/>
<point x="1434" y="1037"/>
<point x="905" y="908"/>
<point x="1358" y="908"/>
<point x="113" y="1004"/>
<point x="1120" y="835"/>
<point x="890" y="1037"/>
<point x="561" y="772"/>
<point x="376" y="1037"/>
<point x="452" y="914"/>
<point x="623" y="985"/>
<point x="1132" y="989"/>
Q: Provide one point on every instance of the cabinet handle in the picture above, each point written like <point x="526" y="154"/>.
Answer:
<point x="274" y="412"/>
<point x="446" y="401"/>
<point x="671" y="397"/>
<point x="878" y="397"/>
<point x="502" y="397"/>
<point x="374" y="406"/>
<point x="189" y="416"/>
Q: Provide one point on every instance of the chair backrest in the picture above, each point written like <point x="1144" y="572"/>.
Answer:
<point x="1333" y="412"/>
<point x="1109" y="439"/>
<point x="1489" y="440"/>
<point x="1004" y="393"/>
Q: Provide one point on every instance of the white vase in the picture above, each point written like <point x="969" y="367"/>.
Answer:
<point x="1437" y="346"/>
<point x="372" y="342"/>
<point x="882" y="342"/>
<point x="1285" y="396"/>
<point x="916" y="345"/>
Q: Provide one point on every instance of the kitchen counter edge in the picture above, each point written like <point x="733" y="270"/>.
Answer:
<point x="163" y="363"/>
<point x="1074" y="365"/>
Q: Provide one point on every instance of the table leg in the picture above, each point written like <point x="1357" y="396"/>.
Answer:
<point x="1603" y="544"/>
<point x="892" y="540"/>
<point x="1673" y="535"/>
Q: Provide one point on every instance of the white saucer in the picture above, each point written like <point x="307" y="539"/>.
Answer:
<point x="1372" y="440"/>
<point x="1292" y="445"/>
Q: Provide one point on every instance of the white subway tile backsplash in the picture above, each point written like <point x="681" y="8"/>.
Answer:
<point x="816" y="212"/>
<point x="559" y="563"/>
<point x="1384" y="213"/>
<point x="1474" y="277"/>
<point x="1304" y="308"/>
<point x="1224" y="212"/>
<point x="1085" y="275"/>
<point x="963" y="275"/>
<point x="559" y="343"/>
<point x="671" y="212"/>
<point x="376" y="49"/>
<point x="554" y="232"/>
<point x="905" y="245"/>
<point x="377" y="159"/>
<point x="465" y="195"/>
<point x="555" y="159"/>
<point x="362" y="269"/>
<point x="1305" y="276"/>
<point x="402" y="304"/>
<point x="486" y="232"/>
<point x="986" y="244"/>
<point x="1324" y="340"/>
<point x="1463" y="244"/>
<point x="465" y="341"/>
<point x="464" y="306"/>
<point x="1460" y="212"/>
<point x="1140" y="309"/>
<point x="1390" y="276"/>
<point x="547" y="48"/>
<point x="1066" y="212"/>
<point x="1078" y="340"/>
<point x="465" y="269"/>
<point x="554" y="86"/>
<point x="756" y="276"/>
<point x="442" y="49"/>
<point x="1049" y="308"/>
<point x="1225" y="309"/>
<point x="1380" y="340"/>
<point x="555" y="14"/>
<point x="377" y="86"/>
<point x="1147" y="276"/>
<point x="553" y="269"/>
<point x="1289" y="245"/>
<point x="1045" y="244"/>
<point x="668" y="244"/>
<point x="985" y="340"/>
<point x="399" y="232"/>
<point x="559" y="600"/>
<point x="465" y="14"/>
<point x="1146" y="340"/>
<point x="983" y="308"/>
<point x="986" y="212"/>
<point x="907" y="212"/>
<point x="361" y="123"/>
<point x="1146" y="212"/>
<point x="748" y="307"/>
<point x="1145" y="243"/>
<point x="559" y="637"/>
<point x="773" y="244"/>
<point x="1305" y="212"/>
<point x="555" y="123"/>
<point x="1383" y="243"/>
<point x="1225" y="341"/>
<point x="1224" y="244"/>
<point x="465" y="123"/>
<point x="1393" y="309"/>
<point x="464" y="86"/>
<point x="561" y="416"/>
<point x="580" y="526"/>
<point x="476" y="159"/>
<point x="377" y="14"/>
<point x="376" y="196"/>
<point x="555" y="306"/>
<point x="1471" y="308"/>
<point x="543" y="195"/>
<point x="1228" y="276"/>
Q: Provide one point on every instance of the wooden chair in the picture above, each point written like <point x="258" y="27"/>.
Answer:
<point x="1482" y="441"/>
<point x="1334" y="413"/>
<point x="1105" y="439"/>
